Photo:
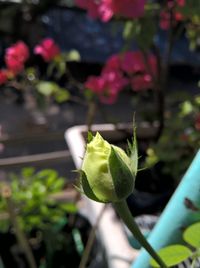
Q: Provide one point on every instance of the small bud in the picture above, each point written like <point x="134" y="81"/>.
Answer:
<point x="108" y="173"/>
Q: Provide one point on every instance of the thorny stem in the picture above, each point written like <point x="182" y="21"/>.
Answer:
<point x="91" y="239"/>
<point x="124" y="212"/>
<point x="22" y="240"/>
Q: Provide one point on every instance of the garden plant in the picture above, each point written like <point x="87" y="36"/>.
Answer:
<point x="142" y="69"/>
<point x="44" y="228"/>
<point x="146" y="70"/>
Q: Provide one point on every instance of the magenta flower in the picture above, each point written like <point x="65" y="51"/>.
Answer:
<point x="47" y="49"/>
<point x="16" y="56"/>
<point x="107" y="86"/>
<point x="141" y="82"/>
<point x="134" y="62"/>
<point x="3" y="76"/>
<point x="126" y="8"/>
<point x="95" y="84"/>
<point x="113" y="63"/>
<point x="181" y="3"/>
<point x="106" y="9"/>
<point x="121" y="70"/>
<point x="177" y="16"/>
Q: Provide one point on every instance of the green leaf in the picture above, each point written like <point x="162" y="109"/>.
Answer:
<point x="69" y="207"/>
<point x="58" y="185"/>
<point x="74" y="55"/>
<point x="128" y="30"/>
<point x="27" y="172"/>
<point x="192" y="235"/>
<point x="47" y="88"/>
<point x="197" y="98"/>
<point x="45" y="174"/>
<point x="172" y="255"/>
<point x="143" y="31"/>
<point x="121" y="175"/>
<point x="186" y="108"/>
<point x="62" y="95"/>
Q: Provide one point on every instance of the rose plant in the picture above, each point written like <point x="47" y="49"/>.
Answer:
<point x="112" y="179"/>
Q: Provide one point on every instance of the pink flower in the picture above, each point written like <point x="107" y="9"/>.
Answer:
<point x="114" y="79"/>
<point x="126" y="8"/>
<point x="113" y="63"/>
<point x="164" y="20"/>
<point x="47" y="49"/>
<point x="134" y="62"/>
<point x="3" y="77"/>
<point x="153" y="64"/>
<point x="141" y="82"/>
<point x="95" y="84"/>
<point x="106" y="9"/>
<point x="16" y="56"/>
<point x="181" y="3"/>
<point x="107" y="86"/>
<point x="177" y="16"/>
<point x="91" y="6"/>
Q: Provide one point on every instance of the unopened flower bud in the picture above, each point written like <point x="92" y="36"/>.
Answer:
<point x="108" y="173"/>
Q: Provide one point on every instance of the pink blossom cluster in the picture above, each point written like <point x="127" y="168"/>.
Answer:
<point x="15" y="58"/>
<point x="106" y="9"/>
<point x="47" y="49"/>
<point x="17" y="54"/>
<point x="107" y="86"/>
<point x="122" y="70"/>
<point x="177" y="16"/>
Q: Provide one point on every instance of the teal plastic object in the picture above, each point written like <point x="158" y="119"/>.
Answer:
<point x="1" y="263"/>
<point x="176" y="215"/>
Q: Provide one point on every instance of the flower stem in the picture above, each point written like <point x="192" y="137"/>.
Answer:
<point x="124" y="212"/>
<point x="91" y="240"/>
<point x="90" y="114"/>
<point x="21" y="237"/>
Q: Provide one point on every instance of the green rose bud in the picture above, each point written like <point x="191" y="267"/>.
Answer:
<point x="108" y="173"/>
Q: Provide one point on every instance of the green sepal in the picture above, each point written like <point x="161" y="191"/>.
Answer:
<point x="122" y="177"/>
<point x="133" y="152"/>
<point x="89" y="137"/>
<point x="86" y="187"/>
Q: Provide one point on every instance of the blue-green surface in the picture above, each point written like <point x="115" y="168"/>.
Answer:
<point x="175" y="215"/>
